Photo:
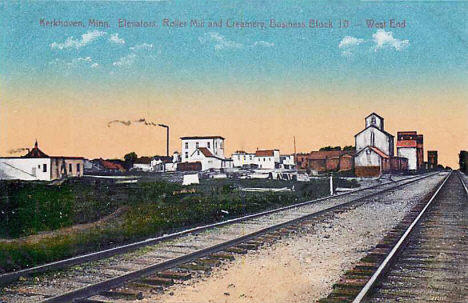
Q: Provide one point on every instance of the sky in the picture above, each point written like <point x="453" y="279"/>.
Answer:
<point x="259" y="87"/>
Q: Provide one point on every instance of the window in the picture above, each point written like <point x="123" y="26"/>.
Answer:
<point x="196" y="144"/>
<point x="186" y="145"/>
<point x="78" y="167"/>
<point x="44" y="168"/>
<point x="208" y="145"/>
<point x="245" y="157"/>
<point x="269" y="159"/>
<point x="372" y="139"/>
<point x="186" y="155"/>
<point x="373" y="120"/>
<point x="368" y="151"/>
<point x="198" y="152"/>
<point x="70" y="167"/>
<point x="264" y="160"/>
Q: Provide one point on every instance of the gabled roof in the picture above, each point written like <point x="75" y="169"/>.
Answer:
<point x="206" y="152"/>
<point x="109" y="165"/>
<point x="374" y="113"/>
<point x="201" y="137"/>
<point x="388" y="134"/>
<point x="376" y="150"/>
<point x="36" y="153"/>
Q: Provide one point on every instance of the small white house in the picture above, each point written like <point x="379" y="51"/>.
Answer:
<point x="267" y="159"/>
<point x="142" y="164"/>
<point x="287" y="162"/>
<point x="241" y="158"/>
<point x="165" y="164"/>
<point x="208" y="160"/>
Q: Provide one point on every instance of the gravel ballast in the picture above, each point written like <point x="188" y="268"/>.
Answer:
<point x="304" y="267"/>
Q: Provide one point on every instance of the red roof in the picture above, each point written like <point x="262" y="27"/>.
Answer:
<point x="110" y="165"/>
<point x="205" y="151"/>
<point x="36" y="153"/>
<point x="379" y="152"/>
<point x="265" y="153"/>
<point x="406" y="143"/>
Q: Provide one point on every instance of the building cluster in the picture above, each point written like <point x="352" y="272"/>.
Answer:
<point x="373" y="155"/>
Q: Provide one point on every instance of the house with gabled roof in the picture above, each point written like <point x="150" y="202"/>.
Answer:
<point x="37" y="165"/>
<point x="206" y="150"/>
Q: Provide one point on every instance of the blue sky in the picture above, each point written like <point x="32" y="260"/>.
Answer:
<point x="258" y="88"/>
<point x="432" y="46"/>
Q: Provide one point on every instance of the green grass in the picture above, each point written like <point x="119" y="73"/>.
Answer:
<point x="151" y="209"/>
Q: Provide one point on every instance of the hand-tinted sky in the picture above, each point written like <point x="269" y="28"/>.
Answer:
<point x="257" y="87"/>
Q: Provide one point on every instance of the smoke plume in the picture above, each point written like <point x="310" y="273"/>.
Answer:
<point x="128" y="122"/>
<point x="18" y="150"/>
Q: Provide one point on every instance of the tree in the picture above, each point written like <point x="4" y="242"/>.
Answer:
<point x="463" y="155"/>
<point x="130" y="159"/>
<point x="329" y="148"/>
<point x="349" y="148"/>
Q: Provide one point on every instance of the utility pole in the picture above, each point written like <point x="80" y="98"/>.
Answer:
<point x="167" y="138"/>
<point x="294" y="148"/>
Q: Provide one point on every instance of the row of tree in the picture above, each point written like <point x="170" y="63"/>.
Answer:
<point x="331" y="148"/>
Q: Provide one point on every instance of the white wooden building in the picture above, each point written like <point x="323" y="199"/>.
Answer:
<point x="38" y="166"/>
<point x="374" y="147"/>
<point x="207" y="150"/>
<point x="267" y="158"/>
<point x="241" y="158"/>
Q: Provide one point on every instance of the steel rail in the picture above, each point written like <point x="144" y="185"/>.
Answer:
<point x="95" y="289"/>
<point x="12" y="276"/>
<point x="393" y="253"/>
<point x="462" y="181"/>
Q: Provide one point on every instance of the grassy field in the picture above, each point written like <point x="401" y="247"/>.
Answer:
<point x="31" y="212"/>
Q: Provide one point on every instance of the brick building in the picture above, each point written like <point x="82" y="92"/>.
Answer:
<point x="324" y="161"/>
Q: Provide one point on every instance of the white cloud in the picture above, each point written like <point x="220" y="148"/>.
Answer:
<point x="75" y="63"/>
<point x="144" y="46"/>
<point x="350" y="41"/>
<point x="263" y="43"/>
<point x="87" y="38"/>
<point x="116" y="39"/>
<point x="219" y="41"/>
<point x="385" y="39"/>
<point x="125" y="61"/>
<point x="348" y="44"/>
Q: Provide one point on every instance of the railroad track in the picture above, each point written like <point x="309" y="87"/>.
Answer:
<point x="163" y="260"/>
<point x="423" y="259"/>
